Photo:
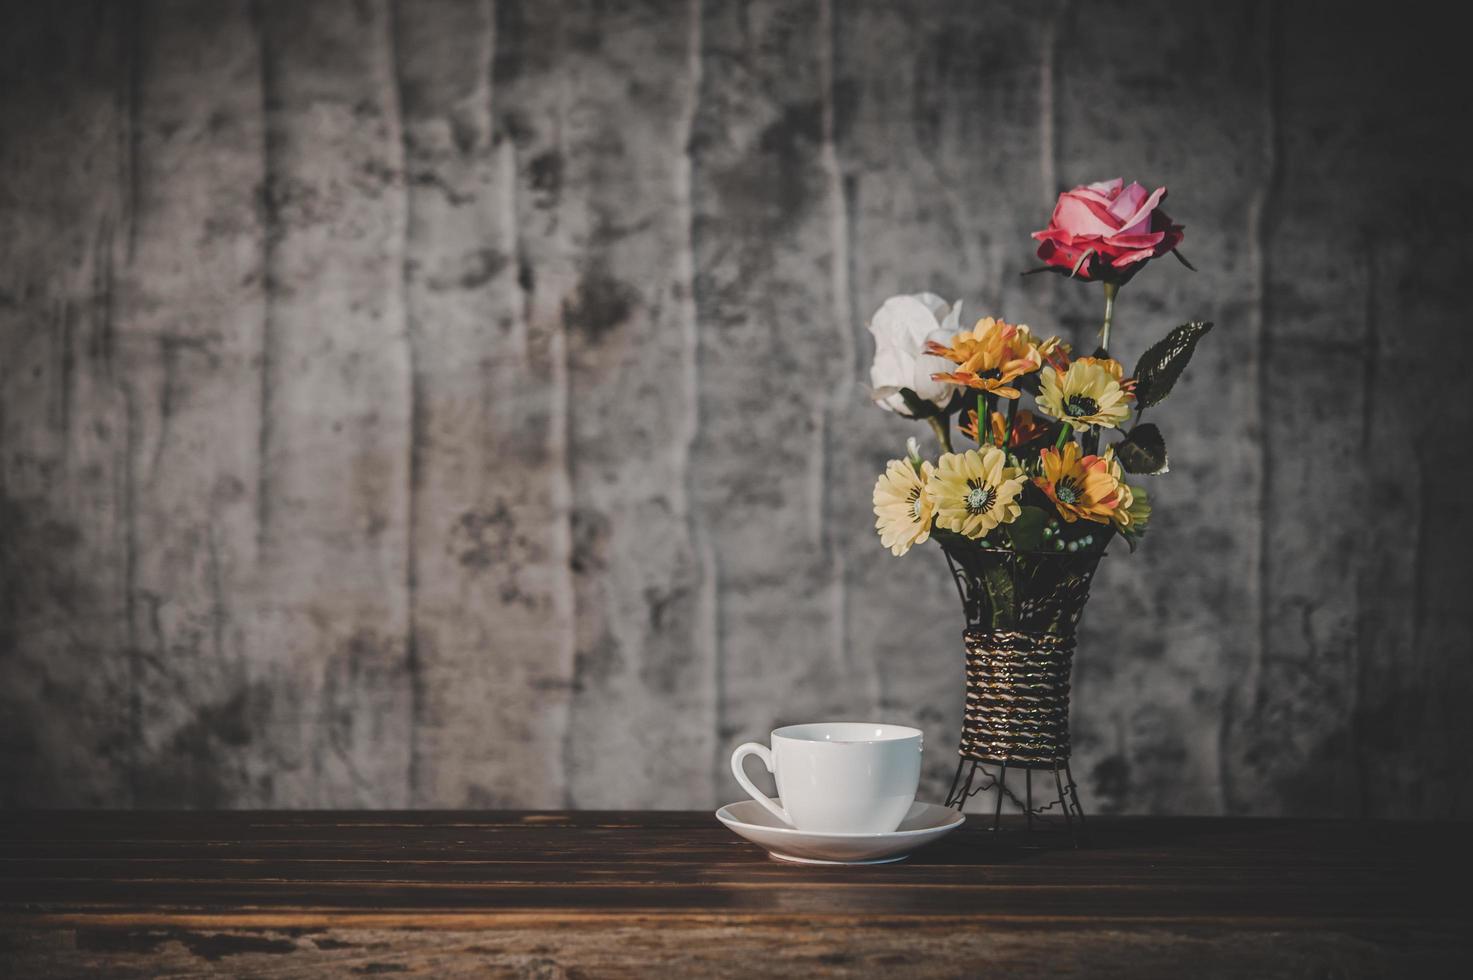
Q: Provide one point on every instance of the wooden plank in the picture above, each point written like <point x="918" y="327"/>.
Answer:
<point x="697" y="858"/>
<point x="191" y="311"/>
<point x="1349" y="862"/>
<point x="302" y="892"/>
<point x="1308" y="609"/>
<point x="331" y="629"/>
<point x="420" y="901"/>
<point x="69" y="723"/>
<point x="1407" y="697"/>
<point x="719" y="950"/>
<point x="1360" y="587"/>
<point x="770" y="351"/>
<point x="635" y="245"/>
<point x="490" y="588"/>
<point x="654" y="851"/>
<point x="643" y="711"/>
<point x="1170" y="629"/>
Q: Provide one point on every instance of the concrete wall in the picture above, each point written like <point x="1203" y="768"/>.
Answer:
<point x="459" y="403"/>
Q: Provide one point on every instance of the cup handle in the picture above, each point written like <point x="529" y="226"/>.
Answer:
<point x="765" y="754"/>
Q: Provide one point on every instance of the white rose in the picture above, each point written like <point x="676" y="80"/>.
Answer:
<point x="901" y="326"/>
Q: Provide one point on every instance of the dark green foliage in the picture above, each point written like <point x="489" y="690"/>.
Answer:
<point x="1157" y="371"/>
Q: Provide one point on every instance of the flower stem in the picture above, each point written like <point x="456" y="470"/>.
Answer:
<point x="1007" y="438"/>
<point x="943" y="431"/>
<point x="1063" y="436"/>
<point x="1110" y="290"/>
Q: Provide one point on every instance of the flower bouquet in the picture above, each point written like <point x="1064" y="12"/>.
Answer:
<point x="1028" y="502"/>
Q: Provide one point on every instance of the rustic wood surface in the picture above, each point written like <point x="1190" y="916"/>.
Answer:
<point x="607" y="893"/>
<point x="461" y="404"/>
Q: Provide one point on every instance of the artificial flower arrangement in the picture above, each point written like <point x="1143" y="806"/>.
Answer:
<point x="1024" y="509"/>
<point x="1049" y="478"/>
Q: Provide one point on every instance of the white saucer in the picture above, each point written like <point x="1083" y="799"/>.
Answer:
<point x="924" y="823"/>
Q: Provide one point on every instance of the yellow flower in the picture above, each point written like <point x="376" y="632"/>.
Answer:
<point x="991" y="355"/>
<point x="1089" y="393"/>
<point x="975" y="491"/>
<point x="1079" y="487"/>
<point x="904" y="506"/>
<point x="1116" y="369"/>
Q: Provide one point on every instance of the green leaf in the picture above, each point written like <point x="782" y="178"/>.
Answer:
<point x="1140" y="512"/>
<point x="1026" y="533"/>
<point x="1159" y="368"/>
<point x="1143" y="451"/>
<point x="997" y="582"/>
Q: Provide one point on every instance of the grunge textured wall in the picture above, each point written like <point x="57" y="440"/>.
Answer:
<point x="460" y="403"/>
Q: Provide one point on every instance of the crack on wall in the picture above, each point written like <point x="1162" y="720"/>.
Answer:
<point x="270" y="223"/>
<point x="418" y="423"/>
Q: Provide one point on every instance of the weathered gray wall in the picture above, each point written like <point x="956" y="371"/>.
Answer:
<point x="458" y="404"/>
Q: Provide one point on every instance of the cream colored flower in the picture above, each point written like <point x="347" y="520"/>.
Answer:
<point x="976" y="491"/>
<point x="904" y="507"/>
<point x="1089" y="393"/>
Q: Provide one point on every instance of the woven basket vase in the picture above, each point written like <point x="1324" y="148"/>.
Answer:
<point x="1022" y="610"/>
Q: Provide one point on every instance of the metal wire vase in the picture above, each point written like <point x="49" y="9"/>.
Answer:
<point x="1022" y="609"/>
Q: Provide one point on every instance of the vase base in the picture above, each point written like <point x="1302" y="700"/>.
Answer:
<point x="974" y="776"/>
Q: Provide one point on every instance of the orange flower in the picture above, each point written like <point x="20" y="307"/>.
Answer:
<point x="1079" y="487"/>
<point x="1026" y="428"/>
<point x="1058" y="357"/>
<point x="992" y="355"/>
<point x="969" y="427"/>
<point x="999" y="429"/>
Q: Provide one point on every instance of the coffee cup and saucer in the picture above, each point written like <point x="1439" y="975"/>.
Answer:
<point x="846" y="795"/>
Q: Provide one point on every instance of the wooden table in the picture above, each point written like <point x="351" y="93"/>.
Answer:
<point x="675" y="894"/>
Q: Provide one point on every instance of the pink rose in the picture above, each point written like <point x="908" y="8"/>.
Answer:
<point x="1113" y="228"/>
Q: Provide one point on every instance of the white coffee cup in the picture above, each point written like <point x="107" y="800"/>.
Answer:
<point x="838" y="777"/>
